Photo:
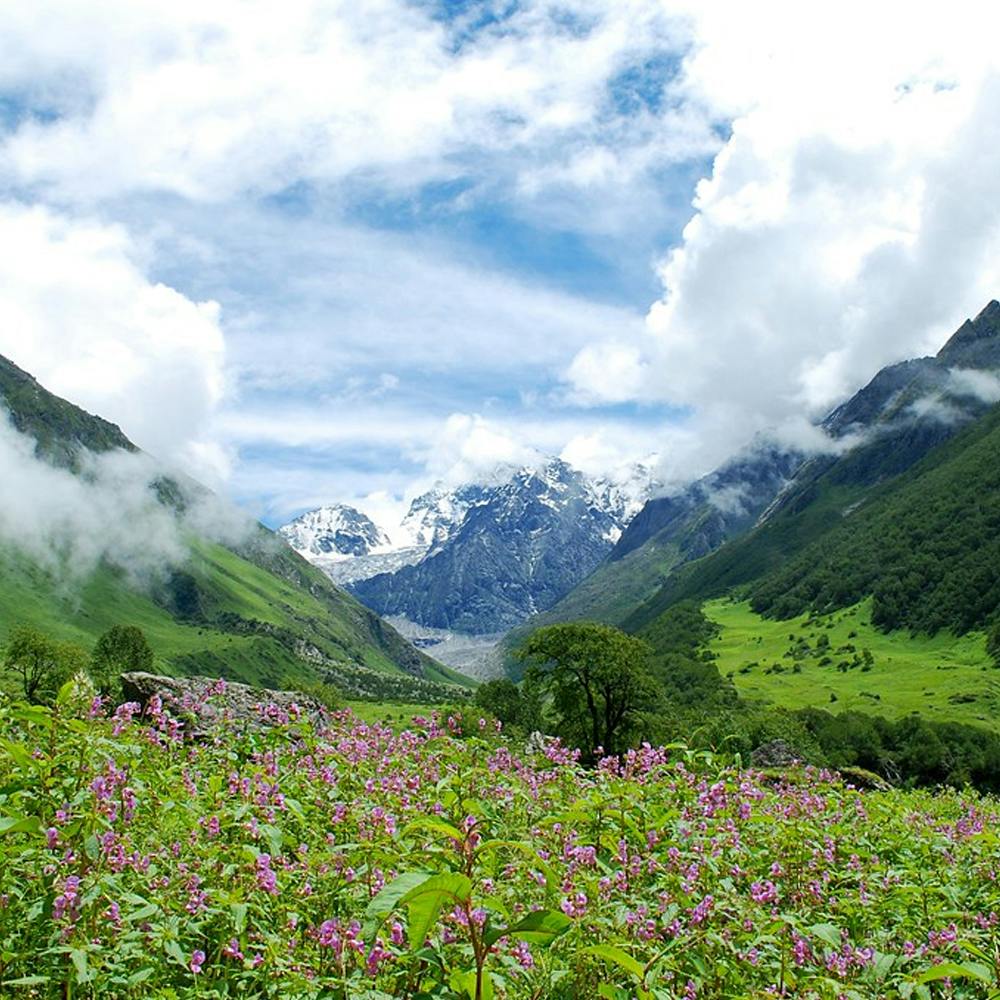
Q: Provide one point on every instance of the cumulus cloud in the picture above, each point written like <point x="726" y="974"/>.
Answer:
<point x="79" y="313"/>
<point x="851" y="219"/>
<point x="108" y="513"/>
<point x="470" y="448"/>
<point x="325" y="91"/>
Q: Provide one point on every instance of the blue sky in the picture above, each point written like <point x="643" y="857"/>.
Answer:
<point x="346" y="253"/>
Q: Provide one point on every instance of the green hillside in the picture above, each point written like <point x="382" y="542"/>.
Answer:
<point x="842" y="662"/>
<point x="257" y="612"/>
<point x="925" y="544"/>
<point x="855" y="597"/>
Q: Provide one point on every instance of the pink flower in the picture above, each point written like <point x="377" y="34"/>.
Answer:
<point x="197" y="961"/>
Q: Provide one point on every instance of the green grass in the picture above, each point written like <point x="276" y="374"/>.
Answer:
<point x="945" y="677"/>
<point x="396" y="715"/>
<point x="333" y="622"/>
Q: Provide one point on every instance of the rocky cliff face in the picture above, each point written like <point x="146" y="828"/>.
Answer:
<point x="518" y="549"/>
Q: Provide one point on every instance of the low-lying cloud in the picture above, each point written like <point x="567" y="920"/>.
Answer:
<point x="107" y="513"/>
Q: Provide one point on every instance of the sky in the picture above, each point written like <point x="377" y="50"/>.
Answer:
<point x="339" y="251"/>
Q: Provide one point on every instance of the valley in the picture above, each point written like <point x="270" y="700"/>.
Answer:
<point x="499" y="500"/>
<point x="841" y="663"/>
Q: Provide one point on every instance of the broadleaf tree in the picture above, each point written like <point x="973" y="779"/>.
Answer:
<point x="597" y="680"/>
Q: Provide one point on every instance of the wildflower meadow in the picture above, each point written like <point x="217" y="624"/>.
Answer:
<point x="346" y="860"/>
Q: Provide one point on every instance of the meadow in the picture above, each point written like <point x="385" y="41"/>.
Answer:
<point x="354" y="860"/>
<point x="840" y="662"/>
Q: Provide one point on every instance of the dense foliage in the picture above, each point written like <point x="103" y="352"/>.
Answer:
<point x="927" y="551"/>
<point x="39" y="664"/>
<point x="357" y="862"/>
<point x="596" y="681"/>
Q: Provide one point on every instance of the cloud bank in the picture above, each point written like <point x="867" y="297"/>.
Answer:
<point x="108" y="513"/>
<point x="847" y="216"/>
<point x="78" y="311"/>
<point x="851" y="219"/>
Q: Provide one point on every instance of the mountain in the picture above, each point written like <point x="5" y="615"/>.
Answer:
<point x="335" y="530"/>
<point x="517" y="549"/>
<point x="436" y="515"/>
<point x="898" y="515"/>
<point x="248" y="608"/>
<point x="904" y="412"/>
<point x="348" y="546"/>
<point x="672" y="530"/>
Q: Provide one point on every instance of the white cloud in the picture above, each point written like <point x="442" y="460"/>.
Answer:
<point x="78" y="313"/>
<point x="981" y="385"/>
<point x="211" y="100"/>
<point x="851" y="219"/>
<point x="70" y="523"/>
<point x="607" y="372"/>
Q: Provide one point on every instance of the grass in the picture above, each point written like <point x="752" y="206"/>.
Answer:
<point x="396" y="715"/>
<point x="944" y="677"/>
<point x="79" y="612"/>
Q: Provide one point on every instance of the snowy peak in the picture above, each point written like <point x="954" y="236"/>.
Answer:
<point x="334" y="530"/>
<point x="436" y="515"/>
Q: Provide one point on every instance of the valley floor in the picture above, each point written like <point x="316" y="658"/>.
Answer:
<point x="841" y="663"/>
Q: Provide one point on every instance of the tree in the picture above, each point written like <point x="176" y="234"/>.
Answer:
<point x="505" y="701"/>
<point x="120" y="649"/>
<point x="597" y="678"/>
<point x="41" y="663"/>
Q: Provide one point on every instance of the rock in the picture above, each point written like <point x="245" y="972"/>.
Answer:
<point x="211" y="700"/>
<point x="864" y="780"/>
<point x="777" y="753"/>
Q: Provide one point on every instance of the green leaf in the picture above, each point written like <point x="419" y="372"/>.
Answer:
<point x="19" y="752"/>
<point x="37" y="714"/>
<point x="465" y="982"/>
<point x="954" y="970"/>
<point x="436" y="826"/>
<point x="26" y="981"/>
<point x="827" y="933"/>
<point x="79" y="959"/>
<point x="424" y="902"/>
<point x="883" y="964"/>
<point x="275" y="838"/>
<point x="388" y="899"/>
<point x="541" y="927"/>
<point x="239" y="916"/>
<point x="610" y="992"/>
<point x="20" y="824"/>
<point x="617" y="957"/>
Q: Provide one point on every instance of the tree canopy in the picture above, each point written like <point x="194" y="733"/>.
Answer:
<point x="120" y="649"/>
<point x="597" y="680"/>
<point x="40" y="663"/>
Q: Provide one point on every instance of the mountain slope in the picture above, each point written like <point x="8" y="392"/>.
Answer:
<point x="670" y="531"/>
<point x="905" y="516"/>
<point x="904" y="412"/>
<point x="516" y="551"/>
<point x="254" y="610"/>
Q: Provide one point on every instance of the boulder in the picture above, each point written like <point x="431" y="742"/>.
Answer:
<point x="776" y="753"/>
<point x="210" y="700"/>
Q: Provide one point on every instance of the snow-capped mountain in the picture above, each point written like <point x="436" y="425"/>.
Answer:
<point x="519" y="547"/>
<point x="335" y="532"/>
<point x="481" y="557"/>
<point x="434" y="516"/>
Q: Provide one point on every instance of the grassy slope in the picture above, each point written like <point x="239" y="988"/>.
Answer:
<point x="80" y="613"/>
<point x="943" y="677"/>
<point x="842" y="523"/>
<point x="247" y="611"/>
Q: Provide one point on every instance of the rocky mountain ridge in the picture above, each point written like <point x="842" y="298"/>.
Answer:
<point x="481" y="557"/>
